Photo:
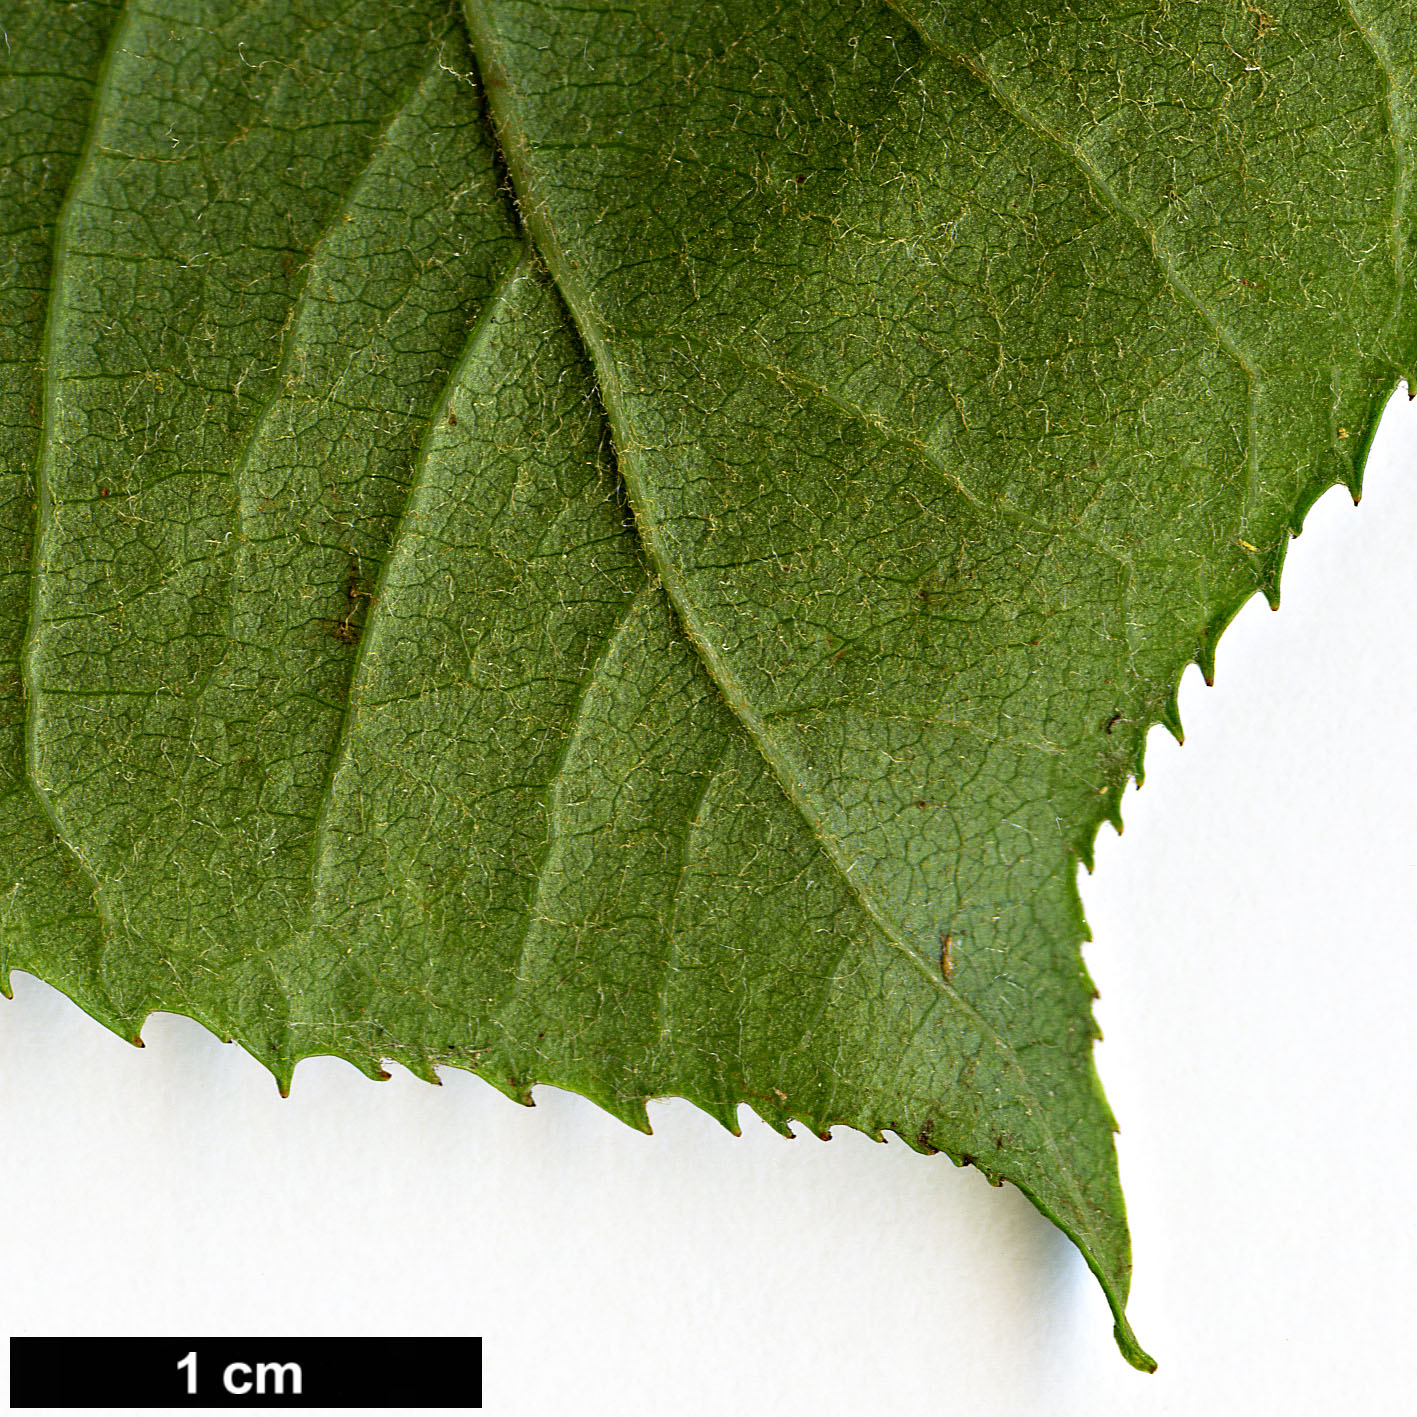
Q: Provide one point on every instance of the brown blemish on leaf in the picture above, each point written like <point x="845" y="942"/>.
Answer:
<point x="344" y="629"/>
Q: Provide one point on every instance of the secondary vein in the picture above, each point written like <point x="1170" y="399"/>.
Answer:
<point x="44" y="506"/>
<point x="319" y="846"/>
<point x="515" y="148"/>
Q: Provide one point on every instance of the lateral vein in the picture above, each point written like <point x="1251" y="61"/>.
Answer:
<point x="102" y="95"/>
<point x="514" y="145"/>
<point x="319" y="845"/>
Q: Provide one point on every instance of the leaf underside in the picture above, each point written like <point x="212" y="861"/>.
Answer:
<point x="633" y="547"/>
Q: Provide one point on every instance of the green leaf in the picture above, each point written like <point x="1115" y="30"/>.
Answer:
<point x="636" y="549"/>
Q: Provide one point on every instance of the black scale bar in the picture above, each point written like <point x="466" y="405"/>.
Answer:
<point x="258" y="1373"/>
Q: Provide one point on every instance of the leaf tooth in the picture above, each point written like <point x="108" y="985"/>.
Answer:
<point x="283" y="1070"/>
<point x="370" y="1064"/>
<point x="778" y="1120"/>
<point x="127" y="1024"/>
<point x="1205" y="658"/>
<point x="633" y="1111"/>
<point x="1351" y="478"/>
<point x="921" y="1141"/>
<point x="1112" y="806"/>
<point x="1271" y="565"/>
<point x="1169" y="717"/>
<point x="1085" y="842"/>
<point x="417" y="1061"/>
<point x="1093" y="993"/>
<point x="510" y="1085"/>
<point x="725" y="1113"/>
<point x="1085" y="849"/>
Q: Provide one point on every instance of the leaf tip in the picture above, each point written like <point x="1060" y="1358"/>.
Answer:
<point x="1132" y="1351"/>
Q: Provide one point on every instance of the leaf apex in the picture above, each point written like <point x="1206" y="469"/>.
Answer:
<point x="1132" y="1351"/>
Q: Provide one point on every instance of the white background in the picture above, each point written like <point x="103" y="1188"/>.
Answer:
<point x="1254" y="944"/>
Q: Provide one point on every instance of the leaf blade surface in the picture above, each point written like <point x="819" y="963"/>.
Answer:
<point x="963" y="370"/>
